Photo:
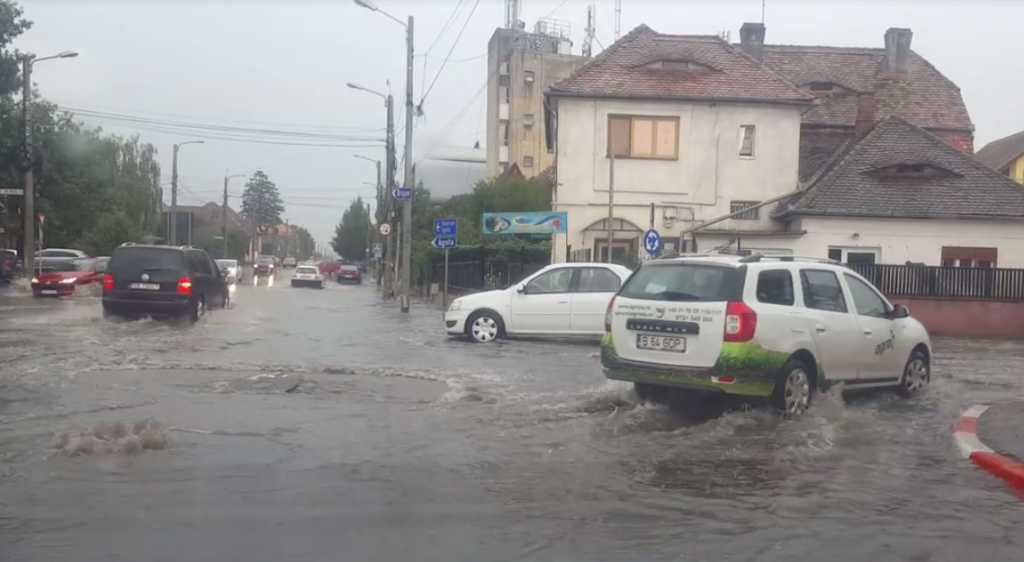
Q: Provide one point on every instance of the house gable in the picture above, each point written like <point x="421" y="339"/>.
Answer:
<point x="899" y="170"/>
<point x="1002" y="153"/>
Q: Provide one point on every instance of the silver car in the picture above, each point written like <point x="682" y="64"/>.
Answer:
<point x="232" y="272"/>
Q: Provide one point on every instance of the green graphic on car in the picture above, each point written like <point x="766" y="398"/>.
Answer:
<point x="754" y="368"/>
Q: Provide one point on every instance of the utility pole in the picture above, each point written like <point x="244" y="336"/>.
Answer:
<point x="173" y="236"/>
<point x="28" y="207"/>
<point x="611" y="204"/>
<point x="407" y="205"/>
<point x="392" y="160"/>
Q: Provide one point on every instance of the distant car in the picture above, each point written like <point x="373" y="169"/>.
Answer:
<point x="162" y="281"/>
<point x="60" y="253"/>
<point x="349" y="274"/>
<point x="289" y="262"/>
<point x="266" y="266"/>
<point x="10" y="264"/>
<point x="308" y="276"/>
<point x="329" y="267"/>
<point x="566" y="299"/>
<point x="58" y="277"/>
<point x="231" y="270"/>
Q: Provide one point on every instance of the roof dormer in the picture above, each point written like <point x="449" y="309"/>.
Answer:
<point x="677" y="64"/>
<point x="912" y="171"/>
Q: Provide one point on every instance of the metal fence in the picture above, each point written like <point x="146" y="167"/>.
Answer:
<point x="484" y="269"/>
<point x="968" y="283"/>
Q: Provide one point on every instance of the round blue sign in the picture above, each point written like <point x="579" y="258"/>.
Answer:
<point x="652" y="241"/>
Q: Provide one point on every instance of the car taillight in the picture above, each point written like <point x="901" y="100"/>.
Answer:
<point x="184" y="286"/>
<point x="108" y="282"/>
<point x="740" y="322"/>
<point x="608" y="316"/>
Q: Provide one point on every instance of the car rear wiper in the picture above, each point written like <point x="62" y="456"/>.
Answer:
<point x="158" y="268"/>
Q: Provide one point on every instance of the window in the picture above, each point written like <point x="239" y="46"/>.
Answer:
<point x="751" y="215"/>
<point x="747" y="141"/>
<point x="528" y="76"/>
<point x="528" y="120"/>
<point x="598" y="280"/>
<point x="527" y="161"/>
<point x="685" y="282"/>
<point x="643" y="137"/>
<point x="678" y="65"/>
<point x="835" y="254"/>
<point x="775" y="286"/>
<point x="821" y="86"/>
<point x="822" y="290"/>
<point x="554" y="281"/>
<point x="858" y="256"/>
<point x="960" y="256"/>
<point x="866" y="300"/>
<point x="101" y="265"/>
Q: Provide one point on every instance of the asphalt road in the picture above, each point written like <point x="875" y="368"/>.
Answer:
<point x="309" y="425"/>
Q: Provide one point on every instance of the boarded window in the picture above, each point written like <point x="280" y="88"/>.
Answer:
<point x="747" y="141"/>
<point x="527" y="161"/>
<point x="643" y="137"/>
<point x="737" y="206"/>
<point x="960" y="256"/>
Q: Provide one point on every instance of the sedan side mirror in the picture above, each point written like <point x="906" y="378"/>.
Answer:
<point x="900" y="311"/>
<point x="521" y="289"/>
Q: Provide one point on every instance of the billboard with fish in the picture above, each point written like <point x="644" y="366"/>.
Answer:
<point x="544" y="222"/>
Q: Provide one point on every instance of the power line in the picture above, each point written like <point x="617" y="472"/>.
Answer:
<point x="444" y="28"/>
<point x="222" y="137"/>
<point x="454" y="44"/>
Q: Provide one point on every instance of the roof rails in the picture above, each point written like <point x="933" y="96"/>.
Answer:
<point x="754" y="258"/>
<point x="123" y="244"/>
<point x="696" y="255"/>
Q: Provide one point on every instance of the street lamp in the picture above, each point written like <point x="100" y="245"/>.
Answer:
<point x="224" y="213"/>
<point x="172" y="238"/>
<point x="406" y="205"/>
<point x="28" y="210"/>
<point x="380" y="186"/>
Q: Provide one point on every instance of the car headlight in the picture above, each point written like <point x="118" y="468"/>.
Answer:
<point x="68" y="280"/>
<point x="34" y="280"/>
<point x="456" y="305"/>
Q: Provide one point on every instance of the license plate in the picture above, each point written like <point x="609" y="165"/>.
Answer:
<point x="49" y="291"/>
<point x="661" y="343"/>
<point x="145" y="286"/>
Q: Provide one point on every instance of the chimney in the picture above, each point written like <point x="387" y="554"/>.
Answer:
<point x="897" y="50"/>
<point x="752" y="40"/>
<point x="865" y="113"/>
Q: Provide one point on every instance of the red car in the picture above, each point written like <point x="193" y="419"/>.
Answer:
<point x="58" y="277"/>
<point x="329" y="267"/>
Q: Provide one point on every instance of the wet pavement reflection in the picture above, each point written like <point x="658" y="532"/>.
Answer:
<point x="325" y="425"/>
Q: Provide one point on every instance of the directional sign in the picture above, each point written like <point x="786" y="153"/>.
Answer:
<point x="11" y="191"/>
<point x="402" y="193"/>
<point x="445" y="243"/>
<point x="446" y="227"/>
<point x="652" y="241"/>
<point x="384" y="229"/>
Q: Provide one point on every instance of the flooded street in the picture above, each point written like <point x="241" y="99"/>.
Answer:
<point x="309" y="425"/>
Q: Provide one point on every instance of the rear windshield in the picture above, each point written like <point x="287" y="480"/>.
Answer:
<point x="263" y="260"/>
<point x="305" y="270"/>
<point x="137" y="260"/>
<point x="349" y="268"/>
<point x="685" y="282"/>
<point x="227" y="263"/>
<point x="60" y="264"/>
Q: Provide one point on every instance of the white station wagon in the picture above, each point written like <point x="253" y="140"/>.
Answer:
<point x="566" y="299"/>
<point x="777" y="327"/>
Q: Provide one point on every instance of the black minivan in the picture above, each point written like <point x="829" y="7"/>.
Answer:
<point x="162" y="281"/>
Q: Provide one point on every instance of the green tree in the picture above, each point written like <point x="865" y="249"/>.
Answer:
<point x="261" y="201"/>
<point x="305" y="242"/>
<point x="350" y="235"/>
<point x="12" y="25"/>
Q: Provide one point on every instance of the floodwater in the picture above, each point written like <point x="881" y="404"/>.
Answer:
<point x="308" y="425"/>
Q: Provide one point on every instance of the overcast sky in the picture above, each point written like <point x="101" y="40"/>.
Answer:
<point x="282" y="66"/>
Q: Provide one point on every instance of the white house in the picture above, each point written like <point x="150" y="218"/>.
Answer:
<point x="700" y="129"/>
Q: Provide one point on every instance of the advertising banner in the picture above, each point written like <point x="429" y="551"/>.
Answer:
<point x="544" y="222"/>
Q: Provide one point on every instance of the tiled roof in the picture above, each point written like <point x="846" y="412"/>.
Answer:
<point x="817" y="148"/>
<point x="731" y="75"/>
<point x="998" y="154"/>
<point x="847" y="187"/>
<point x="924" y="97"/>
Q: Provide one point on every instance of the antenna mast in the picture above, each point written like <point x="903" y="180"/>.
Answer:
<point x="588" y="33"/>
<point x="618" y="19"/>
<point x="513" y="11"/>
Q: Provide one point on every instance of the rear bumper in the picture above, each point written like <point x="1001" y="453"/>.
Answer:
<point x="753" y="380"/>
<point x="133" y="307"/>
<point x="345" y="279"/>
<point x="307" y="282"/>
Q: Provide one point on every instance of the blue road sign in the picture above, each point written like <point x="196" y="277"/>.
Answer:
<point x="652" y="241"/>
<point x="445" y="243"/>
<point x="367" y="252"/>
<point x="402" y="193"/>
<point x="446" y="227"/>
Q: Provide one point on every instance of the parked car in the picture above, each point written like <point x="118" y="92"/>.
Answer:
<point x="308" y="276"/>
<point x="231" y="270"/>
<point x="567" y="299"/>
<point x="10" y="265"/>
<point x="162" y="281"/>
<point x="773" y="327"/>
<point x="58" y="277"/>
<point x="349" y="274"/>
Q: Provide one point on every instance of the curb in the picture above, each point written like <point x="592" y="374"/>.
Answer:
<point x="965" y="433"/>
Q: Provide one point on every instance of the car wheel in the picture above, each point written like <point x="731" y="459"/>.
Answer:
<point x="294" y="284"/>
<point x="483" y="327"/>
<point x="793" y="389"/>
<point x="198" y="311"/>
<point x="916" y="375"/>
<point x="321" y="286"/>
<point x="652" y="393"/>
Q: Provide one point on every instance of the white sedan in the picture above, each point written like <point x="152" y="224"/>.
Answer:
<point x="566" y="299"/>
<point x="308" y="276"/>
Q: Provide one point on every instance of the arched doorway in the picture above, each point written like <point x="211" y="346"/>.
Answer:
<point x="625" y="243"/>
